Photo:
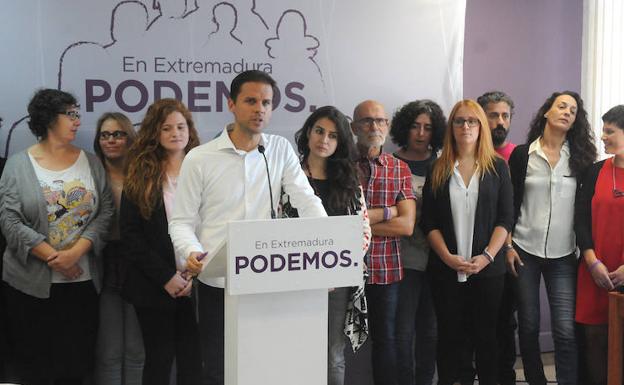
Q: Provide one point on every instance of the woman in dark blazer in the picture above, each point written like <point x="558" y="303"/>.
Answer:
<point x="159" y="290"/>
<point x="467" y="214"/>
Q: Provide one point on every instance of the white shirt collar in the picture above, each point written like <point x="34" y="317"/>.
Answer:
<point x="224" y="141"/>
<point x="536" y="146"/>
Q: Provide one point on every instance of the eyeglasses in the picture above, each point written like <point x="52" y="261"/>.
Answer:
<point x="616" y="193"/>
<point x="72" y="114"/>
<point x="380" y="122"/>
<point x="459" y="122"/>
<point x="106" y="135"/>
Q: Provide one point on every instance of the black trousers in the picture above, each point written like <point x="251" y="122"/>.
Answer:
<point x="53" y="339"/>
<point x="211" y="321"/>
<point x="465" y="311"/>
<point x="170" y="333"/>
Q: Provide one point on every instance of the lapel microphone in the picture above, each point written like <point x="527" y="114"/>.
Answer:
<point x="266" y="163"/>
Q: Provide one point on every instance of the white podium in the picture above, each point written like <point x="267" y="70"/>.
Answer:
<point x="278" y="273"/>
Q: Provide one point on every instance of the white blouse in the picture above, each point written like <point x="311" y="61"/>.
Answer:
<point x="545" y="227"/>
<point x="463" y="208"/>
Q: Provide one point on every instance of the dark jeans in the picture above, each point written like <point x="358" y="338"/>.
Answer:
<point x="560" y="278"/>
<point x="211" y="322"/>
<point x="467" y="310"/>
<point x="167" y="334"/>
<point x="382" y="310"/>
<point x="416" y="330"/>
<point x="336" y="338"/>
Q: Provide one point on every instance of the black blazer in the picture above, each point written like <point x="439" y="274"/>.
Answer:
<point x="518" y="164"/>
<point x="583" y="206"/>
<point x="149" y="251"/>
<point x="494" y="208"/>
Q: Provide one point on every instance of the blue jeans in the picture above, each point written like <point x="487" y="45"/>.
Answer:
<point x="382" y="310"/>
<point x="416" y="330"/>
<point x="560" y="278"/>
<point x="119" y="354"/>
<point x="336" y="338"/>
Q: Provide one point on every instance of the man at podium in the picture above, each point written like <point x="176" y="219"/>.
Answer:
<point x="239" y="175"/>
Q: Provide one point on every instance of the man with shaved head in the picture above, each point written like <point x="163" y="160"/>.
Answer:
<point x="387" y="186"/>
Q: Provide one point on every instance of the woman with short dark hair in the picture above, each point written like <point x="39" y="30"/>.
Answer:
<point x="56" y="207"/>
<point x="599" y="226"/>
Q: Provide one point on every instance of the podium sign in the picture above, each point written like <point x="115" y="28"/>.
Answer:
<point x="277" y="276"/>
<point x="294" y="254"/>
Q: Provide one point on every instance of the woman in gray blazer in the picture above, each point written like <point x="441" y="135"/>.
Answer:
<point x="55" y="209"/>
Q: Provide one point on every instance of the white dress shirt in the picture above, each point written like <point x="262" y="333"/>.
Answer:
<point x="219" y="183"/>
<point x="545" y="227"/>
<point x="463" y="208"/>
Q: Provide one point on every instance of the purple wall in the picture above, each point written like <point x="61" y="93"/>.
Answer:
<point x="528" y="49"/>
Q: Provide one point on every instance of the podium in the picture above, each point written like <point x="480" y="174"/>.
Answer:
<point x="616" y="335"/>
<point x="277" y="275"/>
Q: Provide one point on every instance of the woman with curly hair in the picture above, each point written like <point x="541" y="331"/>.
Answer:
<point x="55" y="211"/>
<point x="159" y="290"/>
<point x="327" y="151"/>
<point x="466" y="215"/>
<point x="544" y="173"/>
<point x="417" y="128"/>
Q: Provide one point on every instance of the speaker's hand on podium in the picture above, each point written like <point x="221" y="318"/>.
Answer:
<point x="193" y="264"/>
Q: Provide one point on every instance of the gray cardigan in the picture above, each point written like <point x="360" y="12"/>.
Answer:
<point x="24" y="223"/>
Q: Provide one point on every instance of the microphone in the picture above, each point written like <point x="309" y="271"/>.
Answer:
<point x="266" y="163"/>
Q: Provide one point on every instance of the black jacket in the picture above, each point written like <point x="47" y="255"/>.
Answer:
<point x="583" y="206"/>
<point x="150" y="254"/>
<point x="494" y="208"/>
<point x="518" y="163"/>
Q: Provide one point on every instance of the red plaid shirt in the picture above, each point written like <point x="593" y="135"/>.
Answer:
<point x="387" y="181"/>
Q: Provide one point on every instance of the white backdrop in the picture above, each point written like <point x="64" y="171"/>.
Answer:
<point x="122" y="55"/>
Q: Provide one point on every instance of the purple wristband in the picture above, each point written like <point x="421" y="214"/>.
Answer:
<point x="593" y="265"/>
<point x="387" y="213"/>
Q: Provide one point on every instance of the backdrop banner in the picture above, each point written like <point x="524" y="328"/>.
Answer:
<point x="123" y="55"/>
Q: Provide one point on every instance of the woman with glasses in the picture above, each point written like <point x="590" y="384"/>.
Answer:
<point x="466" y="216"/>
<point x="327" y="152"/>
<point x="159" y="290"/>
<point x="55" y="211"/>
<point x="599" y="225"/>
<point x="544" y="173"/>
<point x="417" y="128"/>
<point x="119" y="351"/>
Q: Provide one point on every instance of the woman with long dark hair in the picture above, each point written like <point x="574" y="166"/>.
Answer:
<point x="466" y="215"/>
<point x="119" y="352"/>
<point x="327" y="150"/>
<point x="159" y="290"/>
<point x="544" y="173"/>
<point x="418" y="129"/>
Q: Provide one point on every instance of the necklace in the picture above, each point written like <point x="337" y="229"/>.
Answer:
<point x="616" y="193"/>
